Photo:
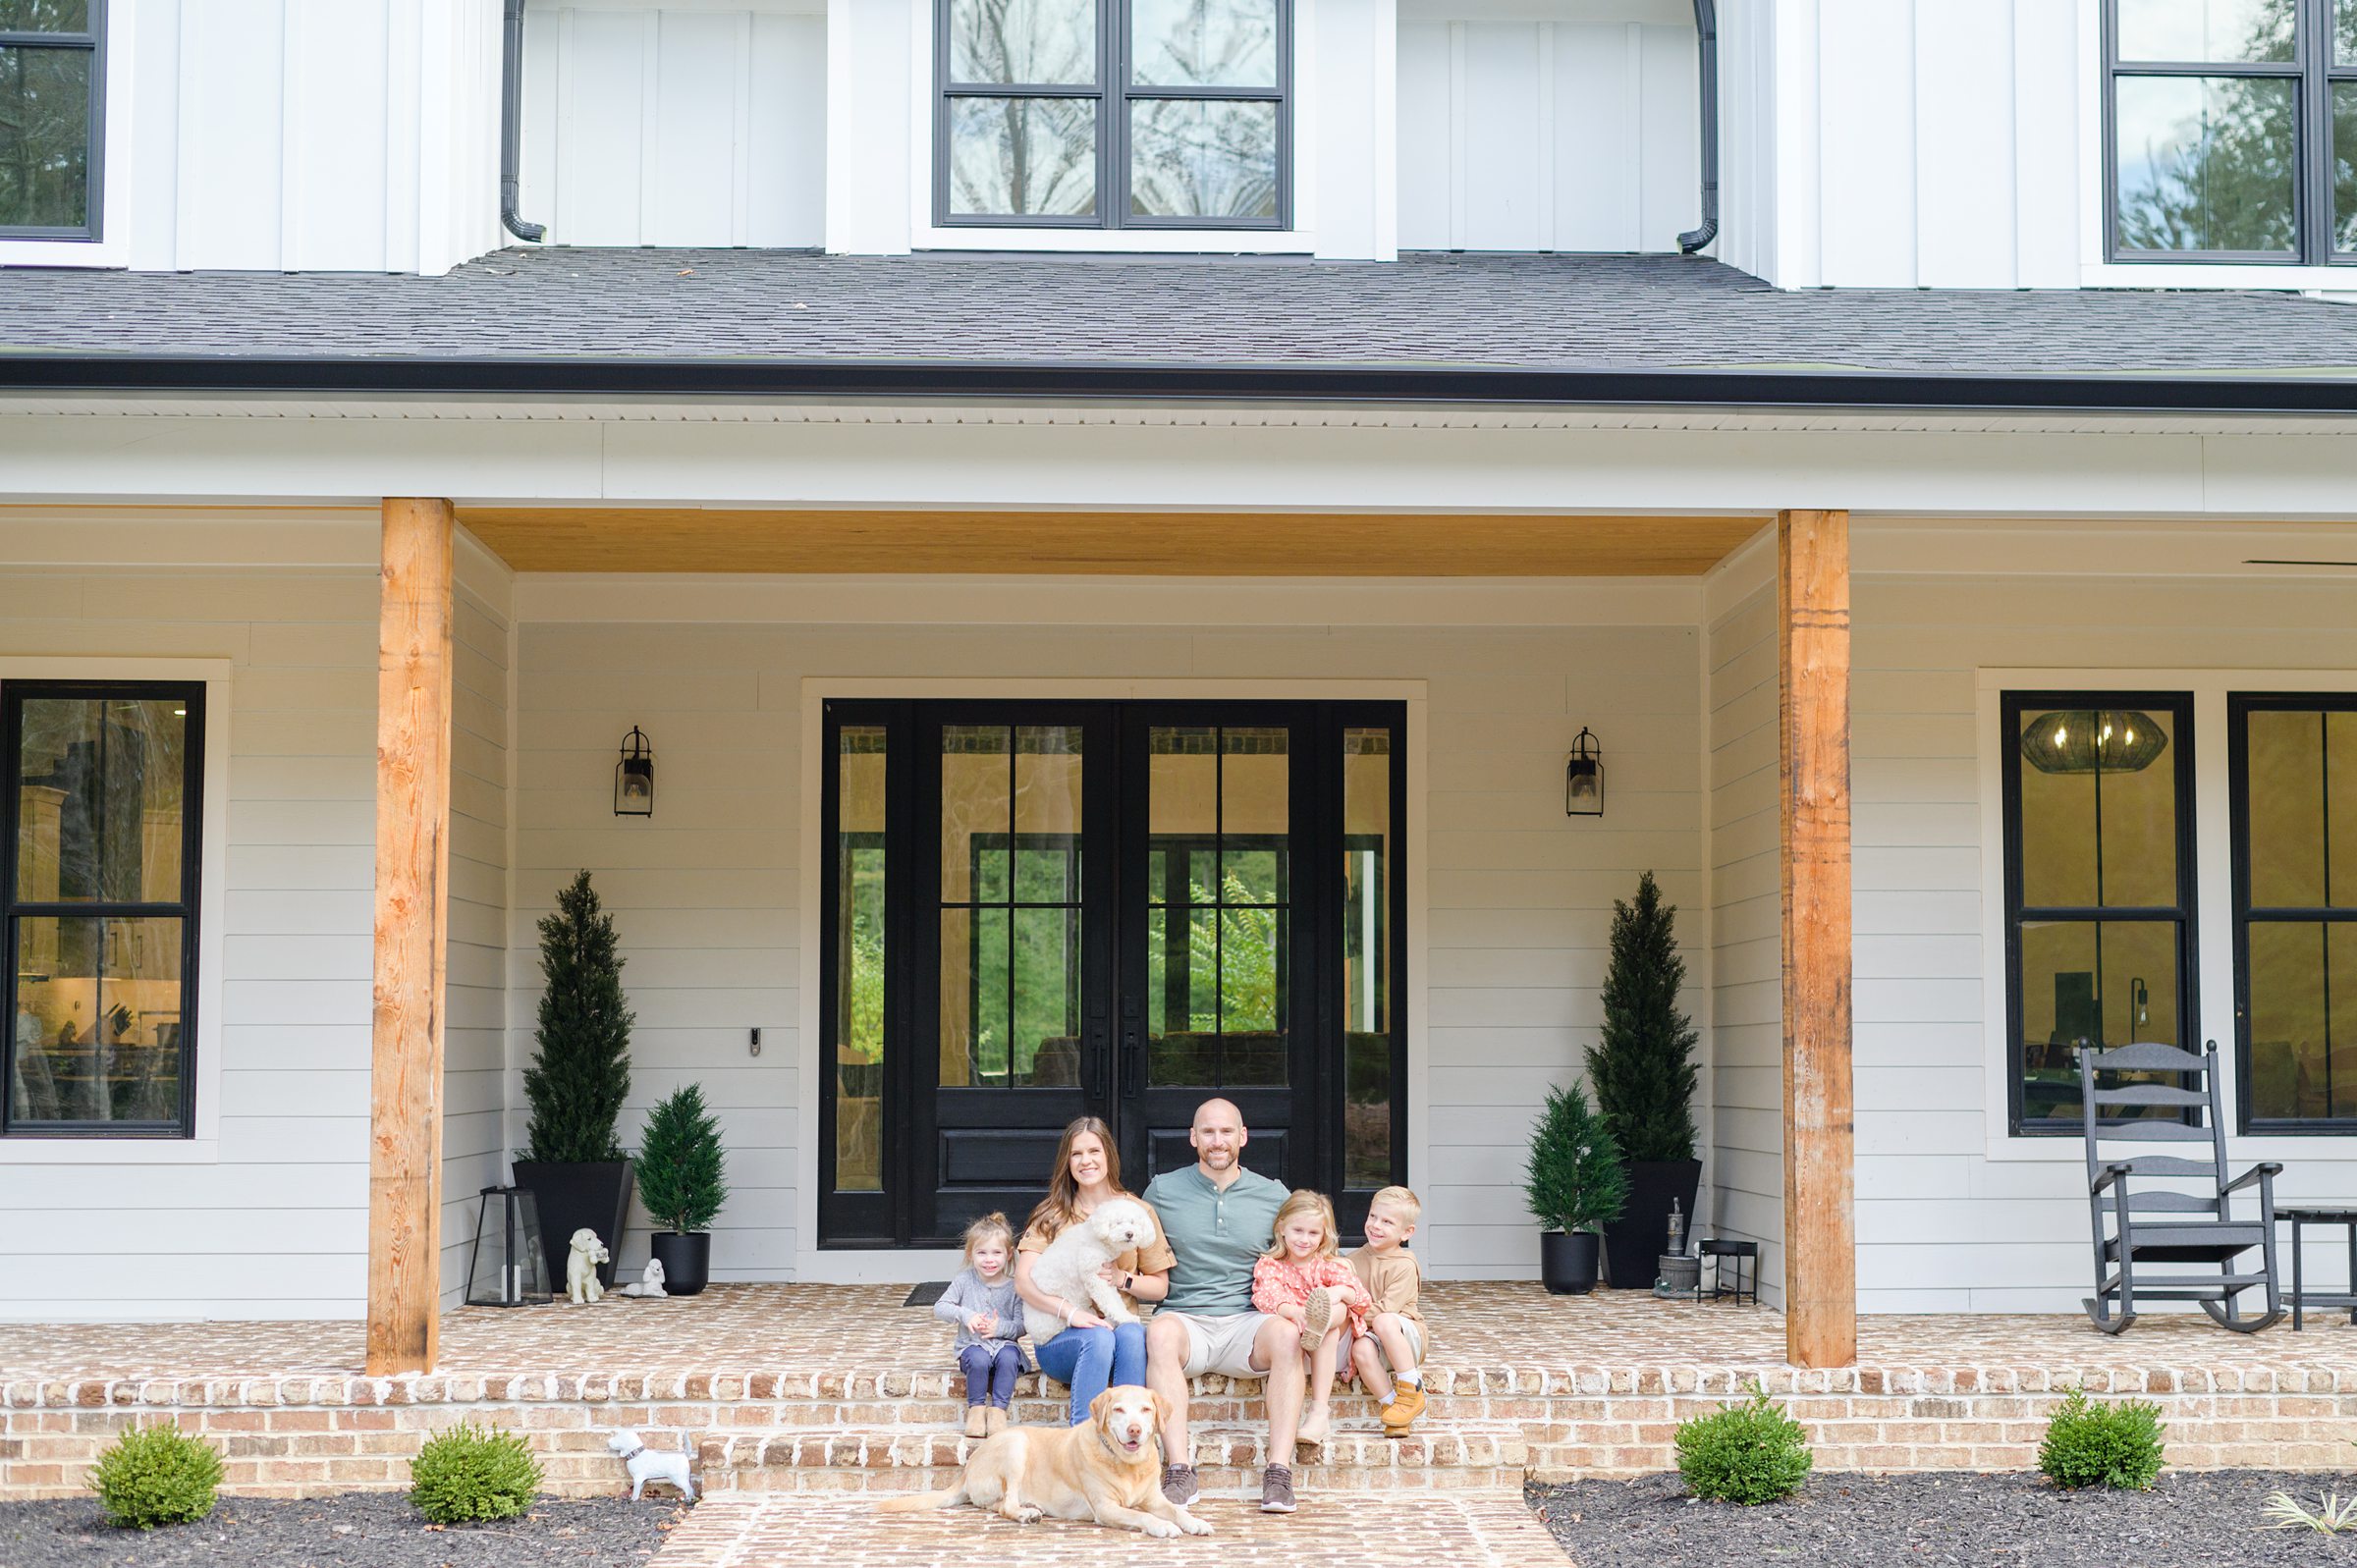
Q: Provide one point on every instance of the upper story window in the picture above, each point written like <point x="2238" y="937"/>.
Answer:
<point x="2232" y="129"/>
<point x="1110" y="114"/>
<point x="50" y="84"/>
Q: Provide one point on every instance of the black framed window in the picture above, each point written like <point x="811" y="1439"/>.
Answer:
<point x="1113" y="114"/>
<point x="2231" y="129"/>
<point x="2293" y="768"/>
<point x="52" y="83"/>
<point x="98" y="869"/>
<point x="2099" y="887"/>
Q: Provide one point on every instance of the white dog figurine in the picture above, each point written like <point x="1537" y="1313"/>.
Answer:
<point x="580" y="1270"/>
<point x="649" y="1284"/>
<point x="647" y="1464"/>
<point x="1068" y="1267"/>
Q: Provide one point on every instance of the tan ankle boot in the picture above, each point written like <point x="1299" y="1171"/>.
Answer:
<point x="977" y="1421"/>
<point x="994" y="1421"/>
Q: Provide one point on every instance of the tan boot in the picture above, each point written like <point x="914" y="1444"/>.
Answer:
<point x="977" y="1421"/>
<point x="1408" y="1403"/>
<point x="994" y="1421"/>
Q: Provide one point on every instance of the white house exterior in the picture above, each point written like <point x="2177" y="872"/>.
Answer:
<point x="1291" y="478"/>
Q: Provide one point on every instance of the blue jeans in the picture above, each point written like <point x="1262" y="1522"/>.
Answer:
<point x="990" y="1372"/>
<point x="1089" y="1361"/>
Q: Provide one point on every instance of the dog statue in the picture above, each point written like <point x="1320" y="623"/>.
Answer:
<point x="1068" y="1265"/>
<point x="580" y="1270"/>
<point x="647" y="1464"/>
<point x="649" y="1284"/>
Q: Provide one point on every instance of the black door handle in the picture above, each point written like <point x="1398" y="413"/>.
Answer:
<point x="1133" y="1065"/>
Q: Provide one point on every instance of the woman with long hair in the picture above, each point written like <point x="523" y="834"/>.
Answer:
<point x="1090" y="1355"/>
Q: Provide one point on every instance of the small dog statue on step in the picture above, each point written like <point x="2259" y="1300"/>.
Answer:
<point x="648" y="1464"/>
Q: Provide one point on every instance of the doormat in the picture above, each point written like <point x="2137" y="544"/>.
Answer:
<point x="926" y="1294"/>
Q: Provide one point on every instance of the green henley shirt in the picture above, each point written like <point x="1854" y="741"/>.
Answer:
<point x="1218" y="1234"/>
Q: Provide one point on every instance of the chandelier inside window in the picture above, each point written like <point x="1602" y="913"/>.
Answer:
<point x="2089" y="740"/>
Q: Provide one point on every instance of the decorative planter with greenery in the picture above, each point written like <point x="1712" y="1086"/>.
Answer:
<point x="1574" y="1183"/>
<point x="1643" y="1073"/>
<point x="681" y="1184"/>
<point x="577" y="1081"/>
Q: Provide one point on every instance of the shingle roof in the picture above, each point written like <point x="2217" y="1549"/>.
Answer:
<point x="1456" y="313"/>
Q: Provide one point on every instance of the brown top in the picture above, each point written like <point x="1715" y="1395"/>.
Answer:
<point x="1154" y="1258"/>
<point x="1391" y="1277"/>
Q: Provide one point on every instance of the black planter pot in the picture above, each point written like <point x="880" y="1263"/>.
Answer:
<point x="686" y="1260"/>
<point x="572" y="1194"/>
<point x="1568" y="1260"/>
<point x="1633" y="1242"/>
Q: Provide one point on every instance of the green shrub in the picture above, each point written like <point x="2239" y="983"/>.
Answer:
<point x="1748" y="1453"/>
<point x="2088" y="1444"/>
<point x="155" y="1475"/>
<point x="471" y="1473"/>
<point x="681" y="1169"/>
<point x="1573" y="1178"/>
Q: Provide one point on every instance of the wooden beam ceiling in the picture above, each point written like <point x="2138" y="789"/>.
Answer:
<point x="1119" y="543"/>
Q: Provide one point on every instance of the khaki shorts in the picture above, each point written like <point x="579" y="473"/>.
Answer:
<point x="1415" y="1345"/>
<point x="1221" y="1344"/>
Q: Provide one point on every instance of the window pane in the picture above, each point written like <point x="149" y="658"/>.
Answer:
<point x="2286" y="793"/>
<point x="44" y="15"/>
<point x="2303" y="973"/>
<point x="44" y="137"/>
<point x="2344" y="33"/>
<point x="2099" y="809"/>
<point x="2206" y="163"/>
<point x="1366" y="958"/>
<point x="2344" y="166"/>
<point x="1024" y="41"/>
<point x="2206" y="29"/>
<point x="977" y="812"/>
<point x="99" y="799"/>
<point x="98" y="1020"/>
<point x="2099" y="983"/>
<point x="1029" y="157"/>
<point x="860" y="960"/>
<point x="1047" y="999"/>
<point x="1203" y="43"/>
<point x="2340" y="790"/>
<point x="1202" y="158"/>
<point x="1046" y="813"/>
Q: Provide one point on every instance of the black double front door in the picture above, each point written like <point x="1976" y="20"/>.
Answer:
<point x="1040" y="910"/>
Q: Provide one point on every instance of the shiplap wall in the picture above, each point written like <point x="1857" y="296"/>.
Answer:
<point x="1525" y="133"/>
<point x="707" y="893"/>
<point x="1745" y="1083"/>
<point x="676" y="126"/>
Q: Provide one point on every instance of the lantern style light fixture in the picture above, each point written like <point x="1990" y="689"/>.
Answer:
<point x="2091" y="740"/>
<point x="515" y="1273"/>
<point x="634" y="776"/>
<point x="1583" y="777"/>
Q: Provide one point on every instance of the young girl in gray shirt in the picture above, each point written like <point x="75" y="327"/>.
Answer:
<point x="982" y="1302"/>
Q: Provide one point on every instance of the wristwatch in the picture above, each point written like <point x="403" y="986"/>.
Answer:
<point x="1129" y="1283"/>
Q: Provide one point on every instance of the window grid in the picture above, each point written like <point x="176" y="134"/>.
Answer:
<point x="90" y="40"/>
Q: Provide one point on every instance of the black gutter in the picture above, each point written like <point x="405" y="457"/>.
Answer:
<point x="510" y="126"/>
<point x="1706" y="32"/>
<point x="839" y="379"/>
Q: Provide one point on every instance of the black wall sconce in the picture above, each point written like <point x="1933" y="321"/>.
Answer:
<point x="634" y="776"/>
<point x="1583" y="777"/>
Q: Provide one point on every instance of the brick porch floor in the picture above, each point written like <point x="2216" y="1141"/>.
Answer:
<point x="836" y="1388"/>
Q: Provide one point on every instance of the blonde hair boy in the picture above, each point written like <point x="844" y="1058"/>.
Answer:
<point x="1389" y="1359"/>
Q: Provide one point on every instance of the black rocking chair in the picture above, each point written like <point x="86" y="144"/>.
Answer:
<point x="2170" y="1224"/>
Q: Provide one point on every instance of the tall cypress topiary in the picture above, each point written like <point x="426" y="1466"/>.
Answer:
<point x="1643" y="1071"/>
<point x="581" y="1072"/>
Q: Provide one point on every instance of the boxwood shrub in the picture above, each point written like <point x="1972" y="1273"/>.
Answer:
<point x="1750" y="1452"/>
<point x="152" y="1475"/>
<point x="471" y="1473"/>
<point x="2088" y="1444"/>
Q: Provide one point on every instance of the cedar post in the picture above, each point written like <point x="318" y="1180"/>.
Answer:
<point x="413" y="873"/>
<point x="1821" y="1289"/>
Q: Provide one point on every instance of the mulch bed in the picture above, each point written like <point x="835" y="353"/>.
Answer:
<point x="378" y="1528"/>
<point x="2188" y="1519"/>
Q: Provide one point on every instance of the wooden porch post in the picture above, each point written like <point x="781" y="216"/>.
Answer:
<point x="413" y="873"/>
<point x="1821" y="1294"/>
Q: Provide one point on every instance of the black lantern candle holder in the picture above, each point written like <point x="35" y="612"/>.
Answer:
<point x="516" y="1274"/>
<point x="1583" y="777"/>
<point x="634" y="776"/>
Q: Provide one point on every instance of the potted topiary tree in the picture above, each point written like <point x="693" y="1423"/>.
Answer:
<point x="679" y="1180"/>
<point x="1574" y="1184"/>
<point x="577" y="1083"/>
<point x="1643" y="1072"/>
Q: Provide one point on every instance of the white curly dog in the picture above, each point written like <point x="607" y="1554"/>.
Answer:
<point x="1068" y="1267"/>
<point x="580" y="1270"/>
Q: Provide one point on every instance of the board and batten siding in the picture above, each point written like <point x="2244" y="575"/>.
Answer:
<point x="708" y="892"/>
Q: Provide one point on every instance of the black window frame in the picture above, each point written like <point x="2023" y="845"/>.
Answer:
<point x="2312" y="74"/>
<point x="1113" y="93"/>
<point x="14" y="694"/>
<point x="2179" y="706"/>
<point x="91" y="40"/>
<point x="2240" y="707"/>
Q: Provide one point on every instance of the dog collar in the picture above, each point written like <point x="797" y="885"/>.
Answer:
<point x="634" y="1454"/>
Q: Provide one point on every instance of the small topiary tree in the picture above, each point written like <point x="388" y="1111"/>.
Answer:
<point x="1745" y="1453"/>
<point x="2088" y="1444"/>
<point x="469" y="1473"/>
<point x="1573" y="1180"/>
<point x="1643" y="1069"/>
<point x="680" y="1163"/>
<point x="581" y="1072"/>
<point x="152" y="1475"/>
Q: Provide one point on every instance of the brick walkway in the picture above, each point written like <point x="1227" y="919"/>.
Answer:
<point x="1432" y="1532"/>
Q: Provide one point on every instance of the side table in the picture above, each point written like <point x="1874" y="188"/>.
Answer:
<point x="2301" y="1297"/>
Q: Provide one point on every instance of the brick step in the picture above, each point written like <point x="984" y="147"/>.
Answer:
<point x="1233" y="1409"/>
<point x="1487" y="1457"/>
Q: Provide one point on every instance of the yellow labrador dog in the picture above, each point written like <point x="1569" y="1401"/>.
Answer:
<point x="1105" y="1469"/>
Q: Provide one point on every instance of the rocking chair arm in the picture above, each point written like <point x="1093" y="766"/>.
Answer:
<point x="2264" y="1171"/>
<point x="2111" y="1173"/>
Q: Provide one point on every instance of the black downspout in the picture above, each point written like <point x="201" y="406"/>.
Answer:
<point x="1706" y="30"/>
<point x="511" y="124"/>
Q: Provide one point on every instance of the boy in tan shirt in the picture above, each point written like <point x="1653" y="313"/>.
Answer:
<point x="1389" y="1357"/>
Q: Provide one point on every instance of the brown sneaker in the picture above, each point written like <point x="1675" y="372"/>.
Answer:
<point x="977" y="1424"/>
<point x="1408" y="1403"/>
<point x="1276" y="1491"/>
<point x="1179" y="1486"/>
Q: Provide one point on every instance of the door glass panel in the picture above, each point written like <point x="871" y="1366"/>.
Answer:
<point x="860" y="960"/>
<point x="1366" y="958"/>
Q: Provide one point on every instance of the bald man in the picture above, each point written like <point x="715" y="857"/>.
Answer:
<point x="1217" y="1216"/>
